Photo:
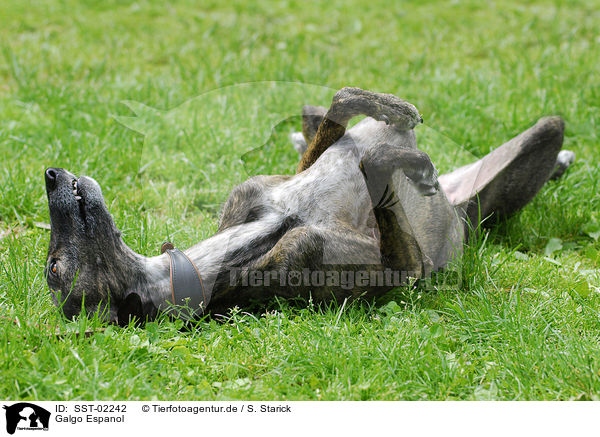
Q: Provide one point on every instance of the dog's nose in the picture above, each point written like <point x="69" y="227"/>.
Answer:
<point x="51" y="174"/>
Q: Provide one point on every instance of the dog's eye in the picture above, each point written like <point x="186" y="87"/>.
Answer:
<point x="53" y="268"/>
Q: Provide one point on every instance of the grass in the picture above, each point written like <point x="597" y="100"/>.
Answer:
<point x="525" y="324"/>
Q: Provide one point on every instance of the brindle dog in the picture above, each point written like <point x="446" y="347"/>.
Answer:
<point x="364" y="201"/>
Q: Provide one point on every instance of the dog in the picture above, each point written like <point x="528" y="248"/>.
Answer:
<point x="364" y="201"/>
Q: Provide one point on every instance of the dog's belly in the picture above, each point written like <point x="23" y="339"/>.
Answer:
<point x="331" y="191"/>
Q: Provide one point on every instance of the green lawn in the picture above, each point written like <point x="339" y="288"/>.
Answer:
<point x="524" y="324"/>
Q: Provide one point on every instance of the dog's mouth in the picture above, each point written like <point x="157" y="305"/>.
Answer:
<point x="78" y="194"/>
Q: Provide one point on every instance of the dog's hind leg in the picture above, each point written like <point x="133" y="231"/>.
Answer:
<point x="347" y="104"/>
<point x="312" y="116"/>
<point x="506" y="179"/>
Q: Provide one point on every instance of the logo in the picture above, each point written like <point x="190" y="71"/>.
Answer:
<point x="26" y="417"/>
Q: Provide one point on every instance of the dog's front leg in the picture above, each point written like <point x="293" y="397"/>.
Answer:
<point x="347" y="104"/>
<point x="400" y="249"/>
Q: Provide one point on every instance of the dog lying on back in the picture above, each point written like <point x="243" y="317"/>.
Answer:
<point x="364" y="202"/>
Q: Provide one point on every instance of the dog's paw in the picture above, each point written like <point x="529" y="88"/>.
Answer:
<point x="380" y="106"/>
<point x="563" y="161"/>
<point x="426" y="187"/>
<point x="298" y="142"/>
<point x="396" y="112"/>
<point x="380" y="162"/>
<point x="423" y="176"/>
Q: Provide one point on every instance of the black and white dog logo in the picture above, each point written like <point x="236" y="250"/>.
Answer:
<point x="26" y="416"/>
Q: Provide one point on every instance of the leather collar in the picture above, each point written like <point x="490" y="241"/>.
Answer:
<point x="188" y="294"/>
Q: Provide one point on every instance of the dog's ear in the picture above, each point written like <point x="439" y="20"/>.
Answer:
<point x="131" y="308"/>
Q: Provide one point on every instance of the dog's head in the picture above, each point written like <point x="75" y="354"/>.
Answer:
<point x="88" y="265"/>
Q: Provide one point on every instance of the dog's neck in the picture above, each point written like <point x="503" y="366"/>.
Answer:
<point x="215" y="258"/>
<point x="156" y="287"/>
